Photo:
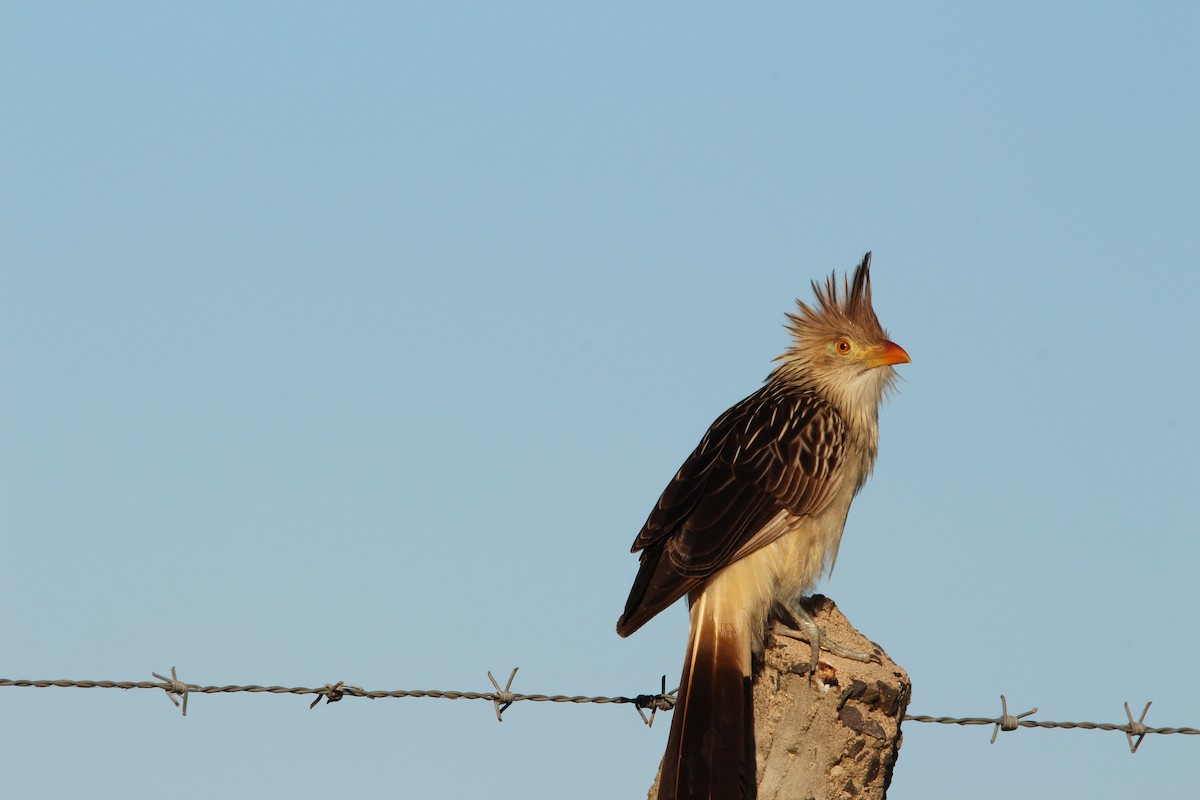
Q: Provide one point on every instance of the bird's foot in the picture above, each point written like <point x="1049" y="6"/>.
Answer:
<point x="806" y="629"/>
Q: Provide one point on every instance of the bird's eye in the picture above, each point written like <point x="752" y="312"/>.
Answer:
<point x="843" y="346"/>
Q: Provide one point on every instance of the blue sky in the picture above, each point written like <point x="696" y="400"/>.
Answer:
<point x="354" y="342"/>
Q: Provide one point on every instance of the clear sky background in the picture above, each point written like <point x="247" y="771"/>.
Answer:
<point x="355" y="342"/>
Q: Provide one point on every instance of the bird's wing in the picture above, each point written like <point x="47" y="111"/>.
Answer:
<point x="777" y="450"/>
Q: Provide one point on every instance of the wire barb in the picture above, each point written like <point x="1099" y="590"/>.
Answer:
<point x="332" y="692"/>
<point x="655" y="702"/>
<point x="174" y="687"/>
<point x="1136" y="728"/>
<point x="503" y="698"/>
<point x="1007" y="722"/>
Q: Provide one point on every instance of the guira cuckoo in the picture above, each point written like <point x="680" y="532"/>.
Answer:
<point x="752" y="519"/>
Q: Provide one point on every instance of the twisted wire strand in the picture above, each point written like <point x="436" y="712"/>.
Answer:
<point x="1030" y="723"/>
<point x="503" y="698"/>
<point x="336" y="691"/>
<point x="350" y="691"/>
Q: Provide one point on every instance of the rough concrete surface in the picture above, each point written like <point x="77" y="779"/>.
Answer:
<point x="837" y="737"/>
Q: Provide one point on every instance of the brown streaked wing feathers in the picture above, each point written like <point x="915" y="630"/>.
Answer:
<point x="775" y="451"/>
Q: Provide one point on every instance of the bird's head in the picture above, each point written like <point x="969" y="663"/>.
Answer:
<point x="838" y="346"/>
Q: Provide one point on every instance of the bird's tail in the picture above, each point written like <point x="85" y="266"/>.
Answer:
<point x="710" y="750"/>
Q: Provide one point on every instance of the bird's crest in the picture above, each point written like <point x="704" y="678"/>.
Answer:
<point x="836" y="312"/>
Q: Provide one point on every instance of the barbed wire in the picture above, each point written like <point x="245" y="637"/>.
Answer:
<point x="501" y="699"/>
<point x="1135" y="730"/>
<point x="178" y="692"/>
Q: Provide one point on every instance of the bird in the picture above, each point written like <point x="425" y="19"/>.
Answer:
<point x="752" y="520"/>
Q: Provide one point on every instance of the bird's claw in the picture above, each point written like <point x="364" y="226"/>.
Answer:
<point x="807" y="630"/>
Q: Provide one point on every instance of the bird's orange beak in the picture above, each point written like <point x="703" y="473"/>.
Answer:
<point x="887" y="353"/>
